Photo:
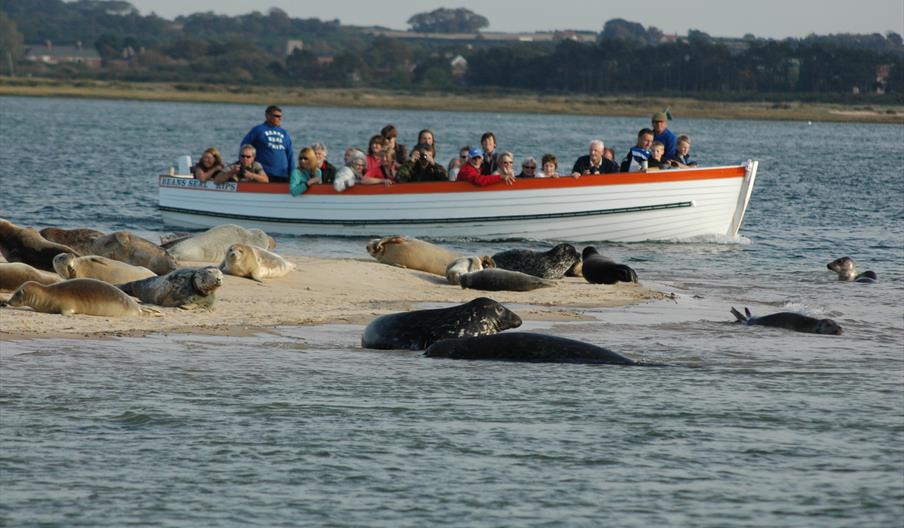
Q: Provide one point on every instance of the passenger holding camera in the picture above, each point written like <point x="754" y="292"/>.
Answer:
<point x="245" y="169"/>
<point x="421" y="167"/>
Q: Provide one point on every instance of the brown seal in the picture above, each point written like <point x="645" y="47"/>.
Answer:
<point x="126" y="247"/>
<point x="77" y="296"/>
<point x="101" y="268"/>
<point x="411" y="253"/>
<point x="255" y="263"/>
<point x="15" y="274"/>
<point x="24" y="244"/>
<point x="80" y="239"/>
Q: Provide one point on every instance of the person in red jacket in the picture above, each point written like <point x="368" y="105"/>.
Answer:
<point x="471" y="171"/>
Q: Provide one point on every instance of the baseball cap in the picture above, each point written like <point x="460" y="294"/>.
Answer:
<point x="474" y="152"/>
<point x="659" y="116"/>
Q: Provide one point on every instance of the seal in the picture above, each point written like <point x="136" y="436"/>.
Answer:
<point x="256" y="263"/>
<point x="598" y="269"/>
<point x="411" y="253"/>
<point x="495" y="279"/>
<point x="577" y="270"/>
<point x="80" y="240"/>
<point x="24" y="244"/>
<point x="551" y="264"/>
<point x="418" y="329"/>
<point x="101" y="268"/>
<point x="211" y="245"/>
<point x="186" y="288"/>
<point x="126" y="247"/>
<point x="846" y="269"/>
<point x="791" y="321"/>
<point x="463" y="265"/>
<point x="527" y="348"/>
<point x="15" y="274"/>
<point x="78" y="296"/>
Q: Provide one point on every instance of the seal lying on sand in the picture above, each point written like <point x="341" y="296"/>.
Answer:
<point x="186" y="288"/>
<point x="80" y="240"/>
<point x="791" y="321"/>
<point x="15" y="274"/>
<point x="255" y="263"/>
<point x="526" y="347"/>
<point x="598" y="269"/>
<point x="411" y="253"/>
<point x="101" y="268"/>
<point x="418" y="329"/>
<point x="463" y="265"/>
<point x="502" y="280"/>
<point x="551" y="264"/>
<point x="211" y="245"/>
<point x="24" y="244"/>
<point x="78" y="296"/>
<point x="846" y="269"/>
<point x="126" y="247"/>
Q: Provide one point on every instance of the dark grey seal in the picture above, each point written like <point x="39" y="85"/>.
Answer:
<point x="25" y="244"/>
<point x="791" y="321"/>
<point x="502" y="280"/>
<point x="418" y="329"/>
<point x="551" y="264"/>
<point x="186" y="288"/>
<point x="846" y="269"/>
<point x="526" y="347"/>
<point x="598" y="269"/>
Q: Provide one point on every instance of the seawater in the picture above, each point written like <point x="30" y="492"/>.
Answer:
<point x="748" y="426"/>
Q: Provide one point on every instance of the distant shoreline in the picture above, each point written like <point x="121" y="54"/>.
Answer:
<point x="622" y="106"/>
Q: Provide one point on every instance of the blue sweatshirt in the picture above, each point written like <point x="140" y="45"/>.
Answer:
<point x="274" y="149"/>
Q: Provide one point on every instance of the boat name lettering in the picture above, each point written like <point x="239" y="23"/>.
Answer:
<point x="192" y="183"/>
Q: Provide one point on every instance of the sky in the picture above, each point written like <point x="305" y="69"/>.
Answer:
<point x="721" y="18"/>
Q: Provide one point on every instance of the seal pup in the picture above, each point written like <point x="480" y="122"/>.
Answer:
<point x="527" y="348"/>
<point x="78" y="296"/>
<point x="846" y="269"/>
<point x="15" y="274"/>
<point x="418" y="329"/>
<point x="101" y="268"/>
<point x="463" y="265"/>
<point x="495" y="279"/>
<point x="790" y="321"/>
<point x="255" y="263"/>
<point x="411" y="253"/>
<point x="598" y="269"/>
<point x="186" y="288"/>
<point x="80" y="239"/>
<point x="132" y="249"/>
<point x="550" y="264"/>
<point x="24" y="244"/>
<point x="211" y="245"/>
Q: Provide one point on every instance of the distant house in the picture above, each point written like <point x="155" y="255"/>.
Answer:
<point x="292" y="45"/>
<point x="49" y="53"/>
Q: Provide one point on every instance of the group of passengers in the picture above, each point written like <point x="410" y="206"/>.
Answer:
<point x="266" y="155"/>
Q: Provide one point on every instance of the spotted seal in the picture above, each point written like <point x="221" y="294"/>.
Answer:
<point x="418" y="329"/>
<point x="255" y="263"/>
<point x="132" y="249"/>
<point x="81" y="239"/>
<point x="598" y="269"/>
<point x="186" y="288"/>
<point x="791" y="321"/>
<point x="846" y="269"/>
<point x="15" y="274"/>
<point x="101" y="268"/>
<point x="412" y="253"/>
<point x="550" y="264"/>
<point x="463" y="265"/>
<point x="78" y="296"/>
<point x="495" y="279"/>
<point x="211" y="245"/>
<point x="526" y="347"/>
<point x="24" y="244"/>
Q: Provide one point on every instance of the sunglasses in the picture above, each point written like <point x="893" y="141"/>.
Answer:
<point x="246" y="156"/>
<point x="276" y="116"/>
<point x="529" y="166"/>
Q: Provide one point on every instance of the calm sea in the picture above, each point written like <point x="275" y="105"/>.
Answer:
<point x="749" y="427"/>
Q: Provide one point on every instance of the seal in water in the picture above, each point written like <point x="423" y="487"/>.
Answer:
<point x="101" y="268"/>
<point x="527" y="348"/>
<point x="24" y="244"/>
<point x="418" y="329"/>
<point x="598" y="269"/>
<point x="551" y="264"/>
<point x="846" y="269"/>
<point x="791" y="321"/>
<point x="495" y="279"/>
<point x="15" y="274"/>
<point x="463" y="265"/>
<point x="411" y="253"/>
<point x="211" y="245"/>
<point x="255" y="263"/>
<point x="78" y="296"/>
<point x="126" y="247"/>
<point x="186" y="288"/>
<point x="80" y="240"/>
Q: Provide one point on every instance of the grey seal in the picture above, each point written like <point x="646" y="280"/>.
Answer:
<point x="791" y="321"/>
<point x="418" y="329"/>
<point x="101" y="268"/>
<point x="550" y="264"/>
<point x="463" y="265"/>
<point x="526" y="347"/>
<point x="186" y="288"/>
<point x="255" y="263"/>
<point x="846" y="269"/>
<point x="132" y="249"/>
<point x="24" y="244"/>
<point x="78" y="296"/>
<point x="495" y="279"/>
<point x="598" y="269"/>
<point x="80" y="239"/>
<point x="211" y="245"/>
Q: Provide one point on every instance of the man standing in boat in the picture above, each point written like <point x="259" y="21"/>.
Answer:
<point x="273" y="145"/>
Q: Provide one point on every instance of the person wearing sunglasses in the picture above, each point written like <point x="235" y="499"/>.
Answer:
<point x="456" y="163"/>
<point x="246" y="169"/>
<point x="273" y="145"/>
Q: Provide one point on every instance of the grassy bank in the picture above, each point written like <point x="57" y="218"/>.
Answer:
<point x="502" y="103"/>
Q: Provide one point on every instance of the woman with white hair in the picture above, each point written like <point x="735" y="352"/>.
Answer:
<point x="352" y="172"/>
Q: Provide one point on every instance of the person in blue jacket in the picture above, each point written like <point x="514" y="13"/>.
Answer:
<point x="273" y="145"/>
<point x="662" y="134"/>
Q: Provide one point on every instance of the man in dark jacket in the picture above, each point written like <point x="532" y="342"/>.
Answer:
<point x="421" y="167"/>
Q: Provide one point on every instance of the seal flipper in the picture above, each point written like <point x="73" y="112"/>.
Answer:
<point x="741" y="318"/>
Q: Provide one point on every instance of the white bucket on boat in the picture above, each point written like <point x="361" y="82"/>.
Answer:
<point x="183" y="164"/>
